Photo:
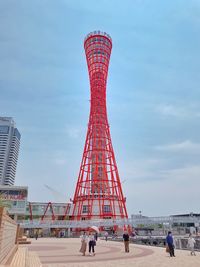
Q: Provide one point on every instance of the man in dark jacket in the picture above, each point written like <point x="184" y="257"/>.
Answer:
<point x="170" y="243"/>
<point x="126" y="241"/>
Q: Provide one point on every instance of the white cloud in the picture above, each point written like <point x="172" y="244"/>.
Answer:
<point x="141" y="170"/>
<point x="178" y="111"/>
<point x="73" y="132"/>
<point x="169" y="110"/>
<point x="185" y="146"/>
<point x="175" y="191"/>
<point x="60" y="161"/>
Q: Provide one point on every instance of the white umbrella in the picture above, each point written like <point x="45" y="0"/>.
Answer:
<point x="95" y="228"/>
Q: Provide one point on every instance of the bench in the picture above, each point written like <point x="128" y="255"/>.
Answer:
<point x="9" y="256"/>
<point x="19" y="259"/>
<point x="23" y="240"/>
<point x="33" y="260"/>
<point x="25" y="258"/>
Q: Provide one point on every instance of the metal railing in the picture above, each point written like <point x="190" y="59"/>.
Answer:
<point x="98" y="33"/>
<point x="72" y="224"/>
<point x="164" y="220"/>
<point x="135" y="222"/>
<point x="179" y="242"/>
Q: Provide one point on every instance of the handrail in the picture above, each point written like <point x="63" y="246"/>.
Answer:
<point x="106" y="222"/>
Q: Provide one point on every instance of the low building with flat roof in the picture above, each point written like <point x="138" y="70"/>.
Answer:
<point x="15" y="198"/>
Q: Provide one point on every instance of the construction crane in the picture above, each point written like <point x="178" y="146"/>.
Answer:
<point x="59" y="197"/>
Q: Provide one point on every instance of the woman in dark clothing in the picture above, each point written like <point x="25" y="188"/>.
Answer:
<point x="96" y="236"/>
<point x="92" y="243"/>
<point x="170" y="243"/>
<point x="126" y="241"/>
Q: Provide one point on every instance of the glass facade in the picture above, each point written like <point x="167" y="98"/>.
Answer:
<point x="4" y="129"/>
<point x="17" y="134"/>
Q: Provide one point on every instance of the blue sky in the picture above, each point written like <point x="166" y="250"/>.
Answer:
<point x="153" y="96"/>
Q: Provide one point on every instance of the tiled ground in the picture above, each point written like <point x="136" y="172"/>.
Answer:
<point x="65" y="252"/>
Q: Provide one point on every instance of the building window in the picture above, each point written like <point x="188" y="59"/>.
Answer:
<point x="4" y="129"/>
<point x="106" y="209"/>
<point x="21" y="204"/>
<point x="85" y="209"/>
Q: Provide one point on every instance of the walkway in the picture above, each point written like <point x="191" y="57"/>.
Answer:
<point x="64" y="253"/>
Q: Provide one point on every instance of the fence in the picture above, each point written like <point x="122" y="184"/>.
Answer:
<point x="180" y="242"/>
<point x="72" y="224"/>
<point x="8" y="236"/>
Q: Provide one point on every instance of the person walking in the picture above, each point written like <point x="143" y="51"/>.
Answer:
<point x="170" y="243"/>
<point x="83" y="243"/>
<point x="191" y="243"/>
<point x="92" y="243"/>
<point x="126" y="241"/>
<point x="96" y="236"/>
<point x="36" y="235"/>
<point x="106" y="236"/>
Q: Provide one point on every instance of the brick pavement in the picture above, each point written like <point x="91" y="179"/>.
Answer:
<point x="54" y="252"/>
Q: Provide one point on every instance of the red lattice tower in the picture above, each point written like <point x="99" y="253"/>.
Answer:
<point x="98" y="191"/>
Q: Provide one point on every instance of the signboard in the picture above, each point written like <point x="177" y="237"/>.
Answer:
<point x="15" y="198"/>
<point x="13" y="194"/>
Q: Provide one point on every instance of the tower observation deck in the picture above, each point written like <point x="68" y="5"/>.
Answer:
<point x="98" y="193"/>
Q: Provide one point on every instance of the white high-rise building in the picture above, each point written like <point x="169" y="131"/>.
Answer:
<point x="9" y="150"/>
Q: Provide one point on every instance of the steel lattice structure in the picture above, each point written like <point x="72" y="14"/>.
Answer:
<point x="47" y="211"/>
<point x="98" y="191"/>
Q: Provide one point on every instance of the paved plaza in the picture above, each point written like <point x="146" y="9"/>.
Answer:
<point x="62" y="252"/>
